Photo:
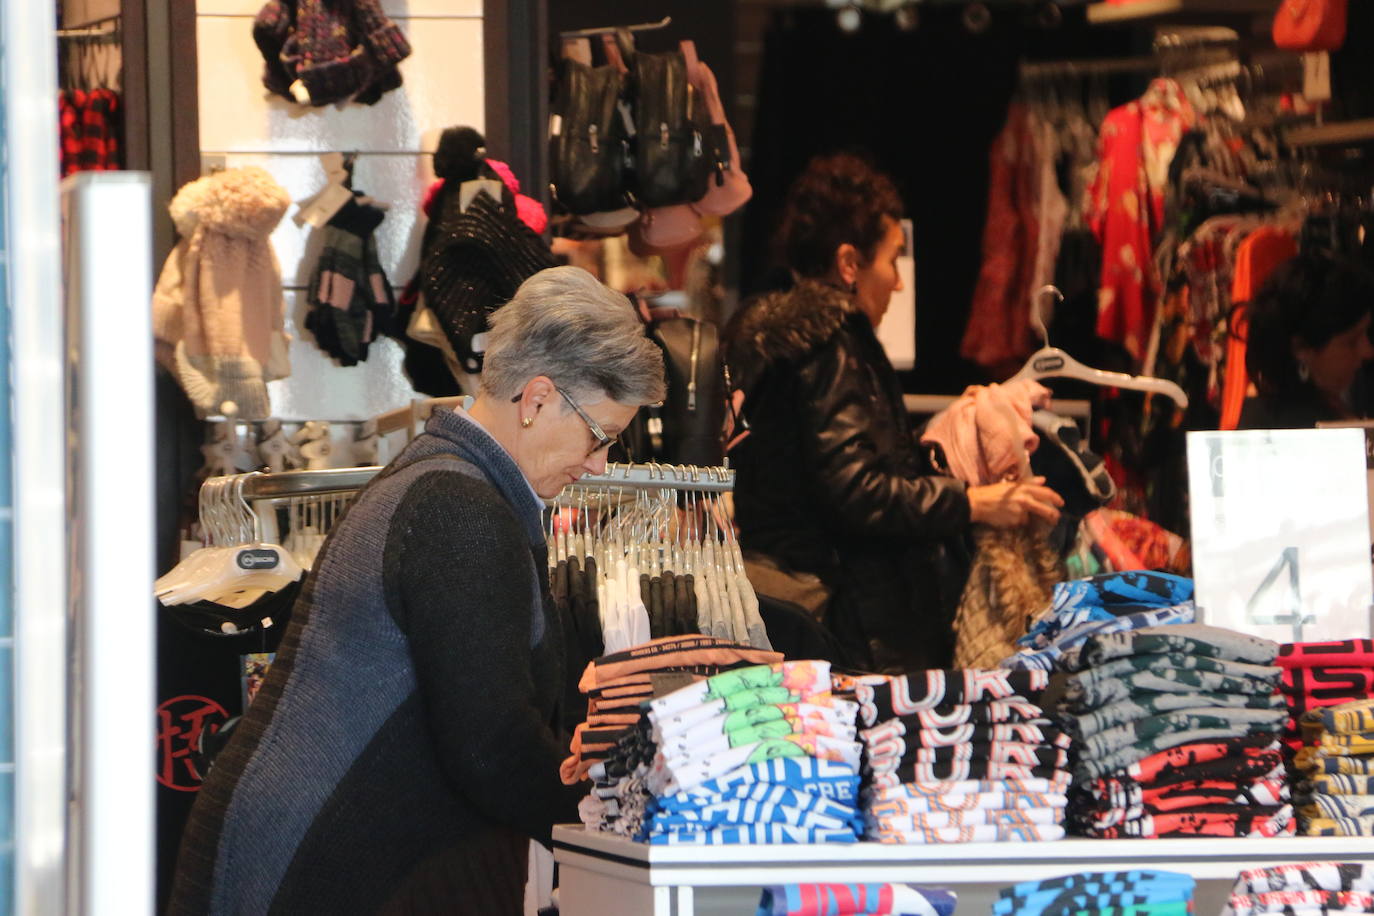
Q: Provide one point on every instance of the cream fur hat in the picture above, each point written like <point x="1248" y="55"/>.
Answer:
<point x="218" y="306"/>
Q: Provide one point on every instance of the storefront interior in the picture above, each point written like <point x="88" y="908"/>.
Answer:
<point x="952" y="543"/>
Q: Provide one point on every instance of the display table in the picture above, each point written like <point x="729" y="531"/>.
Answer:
<point x="605" y="875"/>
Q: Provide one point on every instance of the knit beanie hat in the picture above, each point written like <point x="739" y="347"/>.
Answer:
<point x="475" y="262"/>
<point x="271" y="29"/>
<point x="323" y="55"/>
<point x="530" y="211"/>
<point x="337" y="50"/>
<point x="382" y="37"/>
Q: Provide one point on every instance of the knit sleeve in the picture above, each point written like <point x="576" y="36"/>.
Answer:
<point x="461" y="583"/>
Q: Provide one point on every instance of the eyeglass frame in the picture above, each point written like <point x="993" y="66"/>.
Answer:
<point x="603" y="441"/>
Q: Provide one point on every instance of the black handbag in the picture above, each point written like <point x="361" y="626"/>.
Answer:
<point x="588" y="142"/>
<point x="692" y="417"/>
<point x="673" y="158"/>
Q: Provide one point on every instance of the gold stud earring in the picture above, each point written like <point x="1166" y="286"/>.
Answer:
<point x="527" y="422"/>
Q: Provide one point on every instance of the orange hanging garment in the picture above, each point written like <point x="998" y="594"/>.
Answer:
<point x="1256" y="257"/>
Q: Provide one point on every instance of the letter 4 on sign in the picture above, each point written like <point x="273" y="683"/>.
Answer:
<point x="1280" y="532"/>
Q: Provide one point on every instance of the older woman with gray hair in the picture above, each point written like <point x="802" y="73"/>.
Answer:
<point x="404" y="749"/>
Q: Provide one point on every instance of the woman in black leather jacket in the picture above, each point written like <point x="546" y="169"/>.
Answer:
<point x="831" y="480"/>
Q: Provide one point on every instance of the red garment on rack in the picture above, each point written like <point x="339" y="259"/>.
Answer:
<point x="997" y="335"/>
<point x="88" y="130"/>
<point x="1126" y="208"/>
<point x="1262" y="251"/>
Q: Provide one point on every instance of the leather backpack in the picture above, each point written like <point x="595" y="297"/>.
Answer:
<point x="686" y="428"/>
<point x="672" y="159"/>
<point x="588" y="142"/>
<point x="1310" y="25"/>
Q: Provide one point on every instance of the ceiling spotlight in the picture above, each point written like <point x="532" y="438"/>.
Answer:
<point x="849" y="19"/>
<point x="977" y="18"/>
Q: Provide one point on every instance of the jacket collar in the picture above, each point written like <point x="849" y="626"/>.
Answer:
<point x="473" y="443"/>
<point x="780" y="327"/>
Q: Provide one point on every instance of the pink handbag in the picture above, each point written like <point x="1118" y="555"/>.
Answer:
<point x="730" y="189"/>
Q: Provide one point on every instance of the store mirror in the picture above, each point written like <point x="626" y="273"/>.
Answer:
<point x="1281" y="536"/>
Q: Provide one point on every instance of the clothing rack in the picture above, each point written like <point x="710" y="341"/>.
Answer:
<point x="653" y="476"/>
<point x="259" y="486"/>
<point x="94" y="28"/>
<point x="1088" y="67"/>
<point x="609" y="29"/>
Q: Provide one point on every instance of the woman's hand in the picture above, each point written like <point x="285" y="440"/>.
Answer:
<point x="1011" y="504"/>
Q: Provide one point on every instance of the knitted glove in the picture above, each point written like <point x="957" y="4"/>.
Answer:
<point x="338" y="313"/>
<point x="349" y="292"/>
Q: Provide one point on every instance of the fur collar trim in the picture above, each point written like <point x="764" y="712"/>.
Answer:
<point x="244" y="203"/>
<point x="779" y="327"/>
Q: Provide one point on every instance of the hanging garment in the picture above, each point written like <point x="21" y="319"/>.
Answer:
<point x="985" y="434"/>
<point x="350" y="298"/>
<point x="1126" y="209"/>
<point x="1256" y="257"/>
<point x="319" y="52"/>
<point x="218" y="307"/>
<point x="1021" y="189"/>
<point x="91" y="123"/>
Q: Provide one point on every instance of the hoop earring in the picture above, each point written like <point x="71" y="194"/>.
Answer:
<point x="1304" y="373"/>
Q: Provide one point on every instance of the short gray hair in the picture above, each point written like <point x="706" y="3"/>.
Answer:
<point x="563" y="323"/>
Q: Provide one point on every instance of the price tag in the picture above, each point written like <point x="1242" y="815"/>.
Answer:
<point x="327" y="203"/>
<point x="469" y="190"/>
<point x="1316" y="76"/>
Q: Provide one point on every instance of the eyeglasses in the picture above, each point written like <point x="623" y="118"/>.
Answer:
<point x="601" y="440"/>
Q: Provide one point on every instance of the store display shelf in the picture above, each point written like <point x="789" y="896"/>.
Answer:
<point x="1103" y="13"/>
<point x="1205" y="858"/>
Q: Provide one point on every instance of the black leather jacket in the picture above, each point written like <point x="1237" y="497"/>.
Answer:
<point x="832" y="481"/>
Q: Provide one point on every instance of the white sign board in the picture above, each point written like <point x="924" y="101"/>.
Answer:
<point x="1281" y="532"/>
<point x="1368" y="427"/>
<point x="897" y="331"/>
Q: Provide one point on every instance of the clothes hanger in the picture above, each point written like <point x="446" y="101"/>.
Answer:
<point x="1052" y="362"/>
<point x="235" y="576"/>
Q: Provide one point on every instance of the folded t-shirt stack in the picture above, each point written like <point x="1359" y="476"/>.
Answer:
<point x="1139" y="893"/>
<point x="763" y="754"/>
<point x="1175" y="733"/>
<point x="1101" y="604"/>
<point x="1318" y="674"/>
<point x="616" y="685"/>
<point x="961" y="756"/>
<point x="855" y="900"/>
<point x="1336" y="796"/>
<point x="1307" y="888"/>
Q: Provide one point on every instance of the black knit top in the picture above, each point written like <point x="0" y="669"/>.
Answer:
<point x="401" y="752"/>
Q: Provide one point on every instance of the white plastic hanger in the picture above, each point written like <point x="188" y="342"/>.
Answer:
<point x="236" y="575"/>
<point x="1052" y="362"/>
